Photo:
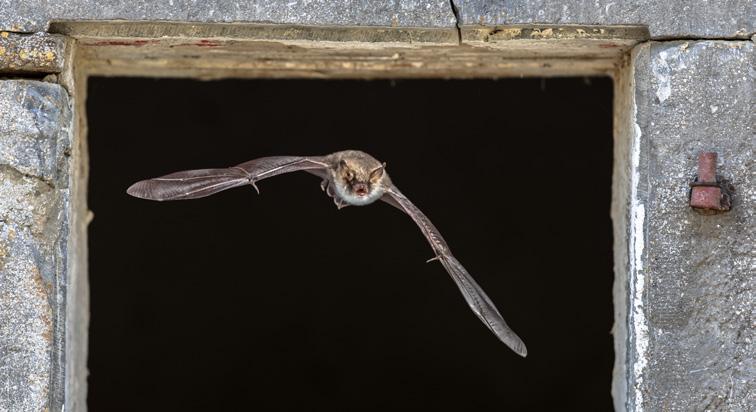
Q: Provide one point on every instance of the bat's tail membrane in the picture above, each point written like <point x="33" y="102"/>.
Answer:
<point x="190" y="184"/>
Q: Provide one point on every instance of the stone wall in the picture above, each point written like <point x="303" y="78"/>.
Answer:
<point x="692" y="285"/>
<point x="684" y="290"/>
<point x="35" y="119"/>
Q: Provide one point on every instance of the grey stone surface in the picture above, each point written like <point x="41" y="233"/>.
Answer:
<point x="692" y="293"/>
<point x="670" y="19"/>
<point x="31" y="53"/>
<point x="35" y="15"/>
<point x="31" y="140"/>
<point x="34" y="121"/>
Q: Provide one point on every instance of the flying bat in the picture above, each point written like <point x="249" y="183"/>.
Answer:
<point x="350" y="177"/>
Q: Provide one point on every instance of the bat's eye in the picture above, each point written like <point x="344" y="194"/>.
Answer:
<point x="350" y="175"/>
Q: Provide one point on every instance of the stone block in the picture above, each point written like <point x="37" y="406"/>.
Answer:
<point x="34" y="122"/>
<point x="31" y="53"/>
<point x="692" y="327"/>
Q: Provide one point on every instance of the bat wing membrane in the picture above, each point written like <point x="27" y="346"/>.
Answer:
<point x="194" y="184"/>
<point x="476" y="298"/>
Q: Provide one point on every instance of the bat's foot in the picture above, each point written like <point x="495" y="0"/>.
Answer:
<point x="339" y="203"/>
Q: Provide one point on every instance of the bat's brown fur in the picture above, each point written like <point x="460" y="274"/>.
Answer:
<point x="352" y="171"/>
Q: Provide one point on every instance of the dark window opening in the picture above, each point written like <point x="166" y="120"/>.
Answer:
<point x="280" y="301"/>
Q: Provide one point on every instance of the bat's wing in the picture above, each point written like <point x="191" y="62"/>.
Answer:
<point x="193" y="184"/>
<point x="479" y="302"/>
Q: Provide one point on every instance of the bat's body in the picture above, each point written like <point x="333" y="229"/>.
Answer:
<point x="351" y="178"/>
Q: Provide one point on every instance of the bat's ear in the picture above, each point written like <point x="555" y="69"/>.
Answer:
<point x="343" y="164"/>
<point x="377" y="172"/>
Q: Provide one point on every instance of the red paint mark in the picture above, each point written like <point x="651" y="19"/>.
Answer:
<point x="207" y="43"/>
<point x="608" y="45"/>
<point x="136" y="43"/>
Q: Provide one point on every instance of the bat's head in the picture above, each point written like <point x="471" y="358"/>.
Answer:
<point x="359" y="182"/>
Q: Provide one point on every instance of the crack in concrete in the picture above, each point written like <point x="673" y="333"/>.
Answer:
<point x="455" y="11"/>
<point x="744" y="37"/>
<point x="13" y="170"/>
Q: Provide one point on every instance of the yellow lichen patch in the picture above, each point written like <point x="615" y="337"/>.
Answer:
<point x="508" y="33"/>
<point x="50" y="56"/>
<point x="542" y="34"/>
<point x="2" y="50"/>
<point x="23" y="54"/>
<point x="4" y="34"/>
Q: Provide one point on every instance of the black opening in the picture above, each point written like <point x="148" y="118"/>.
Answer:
<point x="280" y="301"/>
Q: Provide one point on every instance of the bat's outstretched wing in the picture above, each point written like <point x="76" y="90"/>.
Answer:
<point x="193" y="184"/>
<point x="477" y="299"/>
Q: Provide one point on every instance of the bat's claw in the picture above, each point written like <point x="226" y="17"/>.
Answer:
<point x="324" y="185"/>
<point x="252" y="182"/>
<point x="438" y="257"/>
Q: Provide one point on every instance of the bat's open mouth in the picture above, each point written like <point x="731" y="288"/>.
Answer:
<point x="360" y="189"/>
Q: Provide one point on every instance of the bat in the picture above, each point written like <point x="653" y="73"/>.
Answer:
<point x="350" y="177"/>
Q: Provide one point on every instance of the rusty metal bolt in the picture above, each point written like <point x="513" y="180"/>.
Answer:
<point x="710" y="193"/>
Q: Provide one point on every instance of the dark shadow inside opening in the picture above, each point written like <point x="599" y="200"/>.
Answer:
<point x="282" y="302"/>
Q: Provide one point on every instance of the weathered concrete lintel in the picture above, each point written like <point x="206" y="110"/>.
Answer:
<point x="472" y="33"/>
<point x="253" y="50"/>
<point x="261" y="32"/>
<point x="365" y="34"/>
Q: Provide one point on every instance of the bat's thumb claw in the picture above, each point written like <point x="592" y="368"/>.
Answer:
<point x="438" y="257"/>
<point x="252" y="182"/>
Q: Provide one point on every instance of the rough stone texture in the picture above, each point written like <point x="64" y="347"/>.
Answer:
<point x="670" y="19"/>
<point x="35" y="15"/>
<point x="35" y="53"/>
<point x="665" y="19"/>
<point x="34" y="119"/>
<point x="31" y="116"/>
<point x="692" y="290"/>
